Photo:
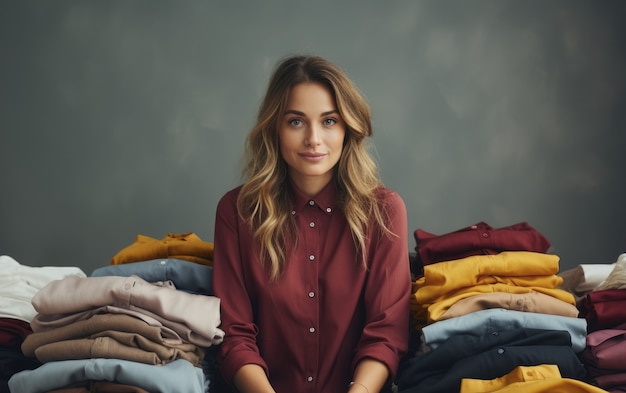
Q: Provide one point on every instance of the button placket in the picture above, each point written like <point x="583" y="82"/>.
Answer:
<point x="312" y="217"/>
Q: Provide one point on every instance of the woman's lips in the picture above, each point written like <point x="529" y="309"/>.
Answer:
<point x="313" y="157"/>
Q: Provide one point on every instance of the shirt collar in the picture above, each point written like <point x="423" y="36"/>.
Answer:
<point x="325" y="200"/>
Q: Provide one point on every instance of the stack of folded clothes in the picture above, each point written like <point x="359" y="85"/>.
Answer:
<point x="18" y="284"/>
<point x="144" y="324"/>
<point x="485" y="303"/>
<point x="604" y="309"/>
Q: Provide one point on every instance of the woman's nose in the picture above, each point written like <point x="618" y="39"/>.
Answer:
<point x="312" y="136"/>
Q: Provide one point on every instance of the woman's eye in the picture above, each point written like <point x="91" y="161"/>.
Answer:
<point x="295" y="122"/>
<point x="330" y="122"/>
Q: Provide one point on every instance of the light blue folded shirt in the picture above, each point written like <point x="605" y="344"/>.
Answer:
<point x="178" y="376"/>
<point x="495" y="320"/>
<point x="185" y="275"/>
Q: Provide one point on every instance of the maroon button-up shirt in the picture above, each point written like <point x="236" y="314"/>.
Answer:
<point x="478" y="239"/>
<point x="326" y="312"/>
<point x="603" y="309"/>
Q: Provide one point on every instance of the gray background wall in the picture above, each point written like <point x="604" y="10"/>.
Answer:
<point x="127" y="117"/>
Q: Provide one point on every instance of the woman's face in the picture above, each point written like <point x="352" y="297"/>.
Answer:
<point x="311" y="134"/>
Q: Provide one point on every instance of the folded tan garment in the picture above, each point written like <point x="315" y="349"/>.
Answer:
<point x="96" y="324"/>
<point x="140" y="350"/>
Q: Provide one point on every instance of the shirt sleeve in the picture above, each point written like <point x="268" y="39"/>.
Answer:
<point x="239" y="346"/>
<point x="387" y="290"/>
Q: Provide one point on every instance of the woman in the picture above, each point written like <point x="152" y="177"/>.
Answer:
<point x="311" y="252"/>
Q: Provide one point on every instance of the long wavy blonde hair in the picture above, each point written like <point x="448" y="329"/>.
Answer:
<point x="264" y="200"/>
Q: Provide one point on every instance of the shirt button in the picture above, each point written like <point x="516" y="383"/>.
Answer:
<point x="500" y="351"/>
<point x="328" y="210"/>
<point x="163" y="262"/>
<point x="310" y="379"/>
<point x="311" y="257"/>
<point x="474" y="227"/>
<point x="312" y="329"/>
<point x="311" y="224"/>
<point x="311" y="202"/>
<point x="311" y="294"/>
<point x="495" y="334"/>
<point x="293" y="212"/>
<point x="485" y="235"/>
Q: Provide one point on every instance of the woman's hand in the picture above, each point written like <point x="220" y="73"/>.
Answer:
<point x="251" y="378"/>
<point x="369" y="377"/>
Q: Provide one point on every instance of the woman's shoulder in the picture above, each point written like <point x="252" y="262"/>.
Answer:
<point x="390" y="202"/>
<point x="230" y="197"/>
<point x="387" y="196"/>
<point x="233" y="191"/>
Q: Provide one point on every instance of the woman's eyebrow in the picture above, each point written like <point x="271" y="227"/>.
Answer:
<point x="295" y="112"/>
